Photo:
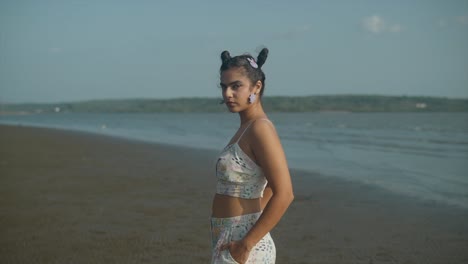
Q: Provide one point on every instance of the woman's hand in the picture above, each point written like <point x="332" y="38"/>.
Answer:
<point x="238" y="250"/>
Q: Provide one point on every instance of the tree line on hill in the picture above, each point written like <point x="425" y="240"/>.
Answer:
<point x="344" y="103"/>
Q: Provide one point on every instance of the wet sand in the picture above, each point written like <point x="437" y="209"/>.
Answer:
<point x="71" y="197"/>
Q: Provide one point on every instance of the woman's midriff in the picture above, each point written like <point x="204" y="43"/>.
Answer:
<point x="228" y="206"/>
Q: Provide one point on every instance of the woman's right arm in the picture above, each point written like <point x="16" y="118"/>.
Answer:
<point x="267" y="194"/>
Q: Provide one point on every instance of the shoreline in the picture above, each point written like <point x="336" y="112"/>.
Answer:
<point x="214" y="152"/>
<point x="79" y="196"/>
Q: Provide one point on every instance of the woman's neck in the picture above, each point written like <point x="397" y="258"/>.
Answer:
<point x="252" y="113"/>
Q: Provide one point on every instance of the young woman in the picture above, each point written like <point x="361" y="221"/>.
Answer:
<point x="254" y="186"/>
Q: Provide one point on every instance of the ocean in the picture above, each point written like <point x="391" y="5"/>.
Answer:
<point x="421" y="155"/>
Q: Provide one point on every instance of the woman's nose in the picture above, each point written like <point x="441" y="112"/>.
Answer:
<point x="228" y="92"/>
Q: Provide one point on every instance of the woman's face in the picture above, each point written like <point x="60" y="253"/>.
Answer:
<point x="236" y="88"/>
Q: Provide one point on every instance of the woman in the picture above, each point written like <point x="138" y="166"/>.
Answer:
<point x="254" y="186"/>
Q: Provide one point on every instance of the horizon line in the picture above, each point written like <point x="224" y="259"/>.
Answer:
<point x="209" y="97"/>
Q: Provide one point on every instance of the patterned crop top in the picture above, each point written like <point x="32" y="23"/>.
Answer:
<point x="238" y="175"/>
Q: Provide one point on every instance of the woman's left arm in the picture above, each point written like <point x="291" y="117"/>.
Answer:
<point x="269" y="154"/>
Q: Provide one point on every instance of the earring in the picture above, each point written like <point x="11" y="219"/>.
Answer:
<point x="252" y="98"/>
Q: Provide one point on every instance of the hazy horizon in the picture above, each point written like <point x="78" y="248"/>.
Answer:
<point x="213" y="97"/>
<point x="63" y="51"/>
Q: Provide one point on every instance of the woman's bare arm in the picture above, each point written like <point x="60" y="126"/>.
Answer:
<point x="267" y="193"/>
<point x="269" y="154"/>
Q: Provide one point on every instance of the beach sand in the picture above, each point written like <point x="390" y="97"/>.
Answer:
<point x="72" y="197"/>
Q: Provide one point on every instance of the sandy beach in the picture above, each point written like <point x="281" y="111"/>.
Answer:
<point x="72" y="197"/>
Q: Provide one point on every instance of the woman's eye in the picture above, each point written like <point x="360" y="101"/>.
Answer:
<point x="235" y="86"/>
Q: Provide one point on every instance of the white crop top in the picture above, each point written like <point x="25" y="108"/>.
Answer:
<point x="238" y="175"/>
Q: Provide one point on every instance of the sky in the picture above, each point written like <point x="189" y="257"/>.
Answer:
<point x="63" y="51"/>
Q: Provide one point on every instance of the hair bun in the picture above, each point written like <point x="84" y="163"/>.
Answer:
<point x="262" y="56"/>
<point x="225" y="56"/>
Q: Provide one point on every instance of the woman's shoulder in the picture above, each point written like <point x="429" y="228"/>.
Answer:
<point x="262" y="128"/>
<point x="265" y="142"/>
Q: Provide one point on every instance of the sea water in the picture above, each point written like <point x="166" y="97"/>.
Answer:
<point x="423" y="155"/>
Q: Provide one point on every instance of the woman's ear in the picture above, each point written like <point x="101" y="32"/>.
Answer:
<point x="258" y="86"/>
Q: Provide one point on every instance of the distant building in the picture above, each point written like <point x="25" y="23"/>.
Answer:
<point x="421" y="105"/>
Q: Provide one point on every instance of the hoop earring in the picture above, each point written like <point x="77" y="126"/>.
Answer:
<point x="252" y="98"/>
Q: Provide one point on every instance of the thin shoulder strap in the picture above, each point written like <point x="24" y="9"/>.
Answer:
<point x="237" y="141"/>
<point x="266" y="119"/>
<point x="251" y="122"/>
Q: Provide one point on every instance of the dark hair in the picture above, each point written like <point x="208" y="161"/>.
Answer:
<point x="242" y="61"/>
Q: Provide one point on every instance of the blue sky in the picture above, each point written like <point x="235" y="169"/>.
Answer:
<point x="55" y="51"/>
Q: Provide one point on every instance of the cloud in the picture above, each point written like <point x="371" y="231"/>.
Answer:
<point x="451" y="21"/>
<point x="462" y="20"/>
<point x="395" y="28"/>
<point x="376" y="25"/>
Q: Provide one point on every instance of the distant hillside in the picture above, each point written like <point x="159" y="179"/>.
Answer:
<point x="348" y="103"/>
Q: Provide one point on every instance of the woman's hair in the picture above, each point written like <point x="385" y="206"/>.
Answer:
<point x="251" y="67"/>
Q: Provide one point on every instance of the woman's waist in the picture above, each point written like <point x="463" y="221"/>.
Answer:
<point x="229" y="206"/>
<point x="245" y="190"/>
<point x="224" y="222"/>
